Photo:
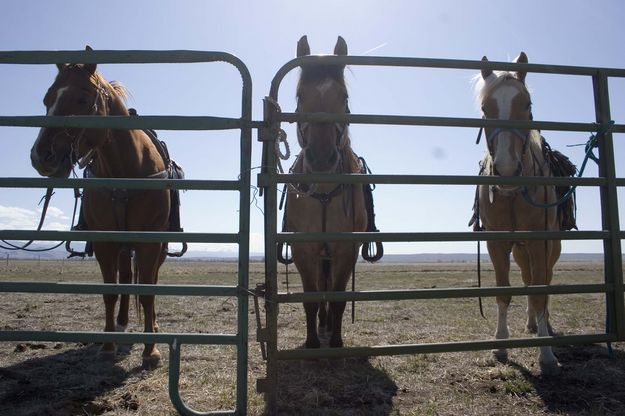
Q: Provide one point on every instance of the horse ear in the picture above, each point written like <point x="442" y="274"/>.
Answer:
<point x="486" y="72"/>
<point x="521" y="59"/>
<point x="90" y="68"/>
<point x="302" y="47"/>
<point x="341" y="46"/>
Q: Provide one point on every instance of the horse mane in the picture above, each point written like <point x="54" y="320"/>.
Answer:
<point x="114" y="88"/>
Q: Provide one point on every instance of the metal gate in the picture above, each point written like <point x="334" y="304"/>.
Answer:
<point x="240" y="185"/>
<point x="610" y="232"/>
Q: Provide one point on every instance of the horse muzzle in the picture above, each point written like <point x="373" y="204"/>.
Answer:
<point x="321" y="162"/>
<point x="48" y="164"/>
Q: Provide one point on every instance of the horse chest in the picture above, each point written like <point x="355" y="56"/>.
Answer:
<point x="344" y="212"/>
<point x="513" y="213"/>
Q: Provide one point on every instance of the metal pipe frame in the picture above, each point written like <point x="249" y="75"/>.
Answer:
<point x="242" y="185"/>
<point x="607" y="182"/>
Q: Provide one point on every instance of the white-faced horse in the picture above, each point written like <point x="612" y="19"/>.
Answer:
<point x="517" y="152"/>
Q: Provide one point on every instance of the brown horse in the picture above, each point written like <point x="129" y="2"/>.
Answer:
<point x="324" y="207"/>
<point x="109" y="153"/>
<point x="513" y="152"/>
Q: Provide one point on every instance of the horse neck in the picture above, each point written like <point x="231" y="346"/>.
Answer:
<point x="127" y="153"/>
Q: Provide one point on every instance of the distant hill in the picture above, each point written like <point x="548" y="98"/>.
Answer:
<point x="472" y="257"/>
<point x="60" y="253"/>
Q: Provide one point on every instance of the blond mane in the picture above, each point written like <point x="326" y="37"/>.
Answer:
<point x="114" y="88"/>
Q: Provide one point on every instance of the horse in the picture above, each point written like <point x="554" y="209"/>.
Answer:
<point x="79" y="89"/>
<point x="512" y="152"/>
<point x="324" y="207"/>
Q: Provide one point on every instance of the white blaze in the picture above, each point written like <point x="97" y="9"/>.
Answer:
<point x="504" y="96"/>
<point x="59" y="94"/>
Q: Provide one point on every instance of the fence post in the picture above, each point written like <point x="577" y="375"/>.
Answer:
<point x="613" y="267"/>
<point x="268" y="136"/>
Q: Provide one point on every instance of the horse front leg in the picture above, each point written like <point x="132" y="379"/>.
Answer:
<point x="148" y="262"/>
<point x="499" y="252"/>
<point x="312" y="338"/>
<point x="342" y="268"/>
<point x="125" y="277"/>
<point x="541" y="275"/>
<point x="107" y="256"/>
<point x="521" y="257"/>
<point x="308" y="263"/>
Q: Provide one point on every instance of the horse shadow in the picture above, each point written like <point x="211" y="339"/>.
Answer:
<point x="66" y="383"/>
<point x="591" y="380"/>
<point x="349" y="386"/>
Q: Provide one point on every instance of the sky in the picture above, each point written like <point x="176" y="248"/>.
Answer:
<point x="263" y="34"/>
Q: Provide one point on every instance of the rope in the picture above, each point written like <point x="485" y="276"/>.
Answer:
<point x="590" y="145"/>
<point x="281" y="137"/>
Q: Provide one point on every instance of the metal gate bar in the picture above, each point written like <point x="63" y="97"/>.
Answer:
<point x="241" y="185"/>
<point x="607" y="182"/>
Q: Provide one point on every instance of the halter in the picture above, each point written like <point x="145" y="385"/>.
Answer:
<point x="341" y="129"/>
<point x="490" y="138"/>
<point x="75" y="157"/>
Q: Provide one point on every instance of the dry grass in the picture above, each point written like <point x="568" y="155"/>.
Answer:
<point x="67" y="379"/>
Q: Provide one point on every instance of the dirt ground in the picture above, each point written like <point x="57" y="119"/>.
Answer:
<point x="46" y="378"/>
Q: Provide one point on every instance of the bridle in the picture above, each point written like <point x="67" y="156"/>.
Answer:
<point x="490" y="138"/>
<point x="74" y="154"/>
<point x="341" y="130"/>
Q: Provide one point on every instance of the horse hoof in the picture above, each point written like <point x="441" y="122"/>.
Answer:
<point x="150" y="363"/>
<point x="550" y="369"/>
<point x="336" y="343"/>
<point x="500" y="355"/>
<point x="531" y="329"/>
<point x="151" y="358"/>
<point x="313" y="343"/>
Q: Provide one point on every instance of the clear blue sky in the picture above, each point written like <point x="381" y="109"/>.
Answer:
<point x="263" y="34"/>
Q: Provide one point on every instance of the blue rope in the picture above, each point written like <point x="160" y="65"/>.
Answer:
<point x="590" y="145"/>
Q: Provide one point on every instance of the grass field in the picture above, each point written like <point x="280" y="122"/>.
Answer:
<point x="68" y="379"/>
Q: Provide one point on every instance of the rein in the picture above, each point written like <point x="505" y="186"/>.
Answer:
<point x="12" y="247"/>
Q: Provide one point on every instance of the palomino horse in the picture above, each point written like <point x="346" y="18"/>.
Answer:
<point x="324" y="207"/>
<point x="109" y="153"/>
<point x="513" y="152"/>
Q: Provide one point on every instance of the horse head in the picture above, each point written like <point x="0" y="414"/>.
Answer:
<point x="504" y="96"/>
<point x="78" y="90"/>
<point x="322" y="88"/>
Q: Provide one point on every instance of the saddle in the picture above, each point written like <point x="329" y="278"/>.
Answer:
<point x="371" y="251"/>
<point x="560" y="166"/>
<point x="172" y="171"/>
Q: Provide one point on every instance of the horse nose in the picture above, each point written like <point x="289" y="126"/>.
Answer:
<point x="321" y="161"/>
